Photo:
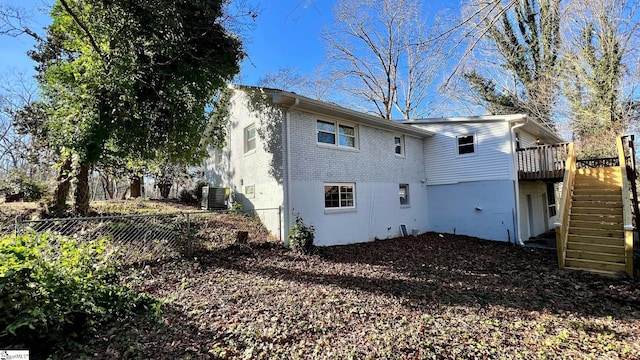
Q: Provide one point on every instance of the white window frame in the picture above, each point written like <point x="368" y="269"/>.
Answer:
<point x="474" y="143"/>
<point x="250" y="191"/>
<point x="340" y="196"/>
<point x="217" y="156"/>
<point x="248" y="139"/>
<point x="398" y="141"/>
<point x="337" y="126"/>
<point x="407" y="197"/>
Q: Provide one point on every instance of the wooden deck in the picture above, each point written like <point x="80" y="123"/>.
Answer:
<point x="544" y="162"/>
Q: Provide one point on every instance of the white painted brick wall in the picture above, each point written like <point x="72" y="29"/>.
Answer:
<point x="373" y="160"/>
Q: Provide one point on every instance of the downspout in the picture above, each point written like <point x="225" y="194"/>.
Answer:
<point x="516" y="183"/>
<point x="287" y="208"/>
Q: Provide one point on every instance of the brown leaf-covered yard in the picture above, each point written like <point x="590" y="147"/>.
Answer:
<point x="435" y="296"/>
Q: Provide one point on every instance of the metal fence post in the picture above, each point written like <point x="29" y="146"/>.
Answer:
<point x="18" y="224"/>
<point x="188" y="237"/>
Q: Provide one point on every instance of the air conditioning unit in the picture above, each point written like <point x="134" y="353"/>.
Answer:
<point x="215" y="198"/>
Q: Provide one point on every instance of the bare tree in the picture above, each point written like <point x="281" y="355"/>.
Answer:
<point x="601" y="73"/>
<point x="285" y="78"/>
<point x="16" y="92"/>
<point x="380" y="50"/>
<point x="515" y="59"/>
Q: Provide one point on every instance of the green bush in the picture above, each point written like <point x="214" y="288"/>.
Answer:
<point x="193" y="196"/>
<point x="301" y="236"/>
<point x="18" y="181"/>
<point x="55" y="291"/>
<point x="187" y="197"/>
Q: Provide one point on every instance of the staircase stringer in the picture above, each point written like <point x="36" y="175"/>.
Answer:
<point x="626" y="211"/>
<point x="562" y="226"/>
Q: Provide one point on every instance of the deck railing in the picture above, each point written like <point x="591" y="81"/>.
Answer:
<point x="562" y="226"/>
<point x="542" y="162"/>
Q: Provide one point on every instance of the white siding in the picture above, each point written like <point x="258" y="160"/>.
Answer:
<point x="527" y="140"/>
<point x="493" y="159"/>
<point x="533" y="196"/>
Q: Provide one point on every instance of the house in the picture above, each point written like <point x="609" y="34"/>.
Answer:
<point x="357" y="177"/>
<point x="491" y="176"/>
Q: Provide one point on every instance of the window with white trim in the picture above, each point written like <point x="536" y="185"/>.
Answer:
<point x="336" y="133"/>
<point x="250" y="191"/>
<point x="340" y="195"/>
<point x="399" y="145"/>
<point x="250" y="138"/>
<point x="403" y="191"/>
<point x="466" y="144"/>
<point x="217" y="156"/>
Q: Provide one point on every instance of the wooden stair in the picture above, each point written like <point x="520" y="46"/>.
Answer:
<point x="596" y="239"/>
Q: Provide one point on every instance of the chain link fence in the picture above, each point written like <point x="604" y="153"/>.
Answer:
<point x="140" y="238"/>
<point x="136" y="238"/>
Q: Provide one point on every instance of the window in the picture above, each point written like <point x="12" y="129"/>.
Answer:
<point x="250" y="138"/>
<point x="551" y="199"/>
<point x="344" y="136"/>
<point x="250" y="191"/>
<point x="217" y="156"/>
<point x="466" y="144"/>
<point x="399" y="145"/>
<point x="339" y="196"/>
<point x="404" y="194"/>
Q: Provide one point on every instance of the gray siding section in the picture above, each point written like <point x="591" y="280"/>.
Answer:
<point x="484" y="209"/>
<point x="493" y="159"/>
<point x="373" y="160"/>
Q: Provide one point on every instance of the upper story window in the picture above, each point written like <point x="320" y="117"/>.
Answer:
<point x="466" y="144"/>
<point x="335" y="133"/>
<point x="399" y="145"/>
<point x="250" y="138"/>
<point x="339" y="196"/>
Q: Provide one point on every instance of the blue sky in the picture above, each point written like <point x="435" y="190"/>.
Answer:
<point x="286" y="34"/>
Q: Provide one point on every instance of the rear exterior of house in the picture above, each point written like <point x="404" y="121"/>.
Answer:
<point x="355" y="188"/>
<point x="473" y="179"/>
<point x="354" y="177"/>
<point x="357" y="178"/>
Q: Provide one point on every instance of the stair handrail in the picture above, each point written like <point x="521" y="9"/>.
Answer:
<point x="626" y="210"/>
<point x="562" y="226"/>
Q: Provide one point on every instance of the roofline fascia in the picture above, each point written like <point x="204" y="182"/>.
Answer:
<point x="285" y="99"/>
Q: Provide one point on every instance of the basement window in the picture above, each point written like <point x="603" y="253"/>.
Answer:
<point x="403" y="191"/>
<point x="337" y="196"/>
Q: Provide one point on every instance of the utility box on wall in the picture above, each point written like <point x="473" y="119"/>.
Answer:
<point x="215" y="198"/>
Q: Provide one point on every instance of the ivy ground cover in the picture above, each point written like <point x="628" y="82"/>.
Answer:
<point x="433" y="296"/>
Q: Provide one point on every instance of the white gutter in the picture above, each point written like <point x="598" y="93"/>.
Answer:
<point x="287" y="208"/>
<point x="516" y="186"/>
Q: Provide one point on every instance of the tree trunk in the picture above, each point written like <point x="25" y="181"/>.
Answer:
<point x="136" y="186"/>
<point x="64" y="184"/>
<point x="107" y="187"/>
<point x="165" y="189"/>
<point x="82" y="191"/>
